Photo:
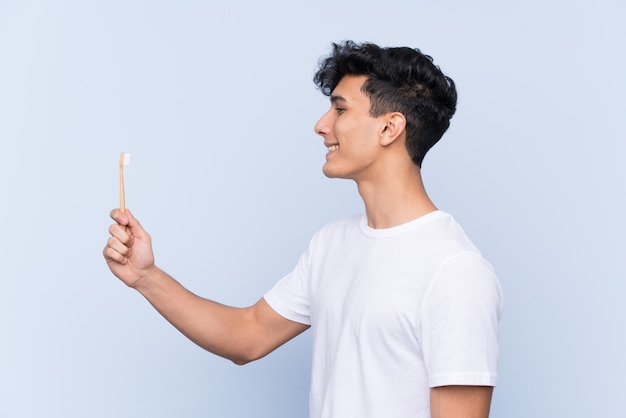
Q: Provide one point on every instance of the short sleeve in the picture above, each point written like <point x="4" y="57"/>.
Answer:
<point x="459" y="323"/>
<point x="290" y="296"/>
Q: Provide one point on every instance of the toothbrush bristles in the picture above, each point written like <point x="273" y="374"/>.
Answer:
<point x="126" y="161"/>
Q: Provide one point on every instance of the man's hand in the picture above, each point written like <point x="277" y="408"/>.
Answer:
<point x="128" y="252"/>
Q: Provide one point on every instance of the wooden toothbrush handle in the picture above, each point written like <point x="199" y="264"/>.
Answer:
<point x="122" y="198"/>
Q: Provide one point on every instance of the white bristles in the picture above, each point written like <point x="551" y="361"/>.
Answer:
<point x="126" y="161"/>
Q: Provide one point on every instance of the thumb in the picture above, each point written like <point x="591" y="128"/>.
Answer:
<point x="134" y="226"/>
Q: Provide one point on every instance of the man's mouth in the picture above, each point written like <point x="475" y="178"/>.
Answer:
<point x="333" y="147"/>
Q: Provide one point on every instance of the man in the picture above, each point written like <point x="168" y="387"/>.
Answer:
<point x="403" y="308"/>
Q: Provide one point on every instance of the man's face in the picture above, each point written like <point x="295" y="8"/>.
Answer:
<point x="350" y="133"/>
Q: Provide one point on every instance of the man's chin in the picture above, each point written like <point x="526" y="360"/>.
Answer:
<point x="330" y="173"/>
<point x="333" y="172"/>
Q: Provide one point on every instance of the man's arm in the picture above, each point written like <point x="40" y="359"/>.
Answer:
<point x="238" y="334"/>
<point x="460" y="401"/>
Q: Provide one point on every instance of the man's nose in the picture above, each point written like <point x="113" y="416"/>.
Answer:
<point x="321" y="127"/>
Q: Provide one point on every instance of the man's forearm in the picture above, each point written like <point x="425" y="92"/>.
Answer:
<point x="238" y="334"/>
<point x="223" y="330"/>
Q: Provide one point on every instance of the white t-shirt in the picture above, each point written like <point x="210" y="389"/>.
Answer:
<point x="393" y="313"/>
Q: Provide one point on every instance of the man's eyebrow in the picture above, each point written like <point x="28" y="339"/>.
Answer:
<point x="335" y="99"/>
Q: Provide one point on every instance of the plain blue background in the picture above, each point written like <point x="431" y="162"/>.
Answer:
<point x="216" y="105"/>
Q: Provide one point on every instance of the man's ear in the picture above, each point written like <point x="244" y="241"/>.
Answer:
<point x="395" y="126"/>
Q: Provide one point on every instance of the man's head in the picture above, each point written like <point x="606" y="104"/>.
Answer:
<point x="398" y="80"/>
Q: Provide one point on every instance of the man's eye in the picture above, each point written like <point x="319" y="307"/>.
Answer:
<point x="339" y="109"/>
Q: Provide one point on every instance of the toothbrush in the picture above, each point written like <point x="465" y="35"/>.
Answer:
<point x="124" y="161"/>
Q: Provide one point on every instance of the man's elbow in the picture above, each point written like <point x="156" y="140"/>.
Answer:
<point x="245" y="357"/>
<point x="241" y="361"/>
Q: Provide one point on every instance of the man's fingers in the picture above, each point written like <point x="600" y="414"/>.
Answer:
<point x="119" y="247"/>
<point x="121" y="234"/>
<point x="119" y="217"/>
<point x="127" y="220"/>
<point x="111" y="252"/>
<point x="121" y="240"/>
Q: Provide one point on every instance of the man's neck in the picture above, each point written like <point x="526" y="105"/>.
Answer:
<point x="394" y="200"/>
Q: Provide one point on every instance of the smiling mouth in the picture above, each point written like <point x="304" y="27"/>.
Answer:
<point x="332" y="148"/>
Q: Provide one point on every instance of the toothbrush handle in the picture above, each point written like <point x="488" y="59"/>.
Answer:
<point x="122" y="198"/>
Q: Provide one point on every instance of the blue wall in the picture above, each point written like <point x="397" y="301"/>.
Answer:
<point x="216" y="105"/>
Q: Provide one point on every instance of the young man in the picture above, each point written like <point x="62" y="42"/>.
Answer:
<point x="403" y="308"/>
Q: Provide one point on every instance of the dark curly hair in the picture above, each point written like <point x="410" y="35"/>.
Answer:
<point x="398" y="80"/>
